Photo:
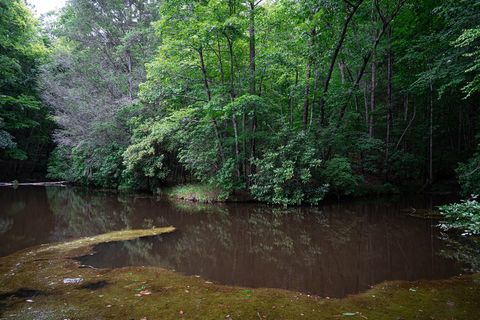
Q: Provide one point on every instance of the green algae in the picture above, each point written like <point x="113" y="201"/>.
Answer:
<point x="155" y="293"/>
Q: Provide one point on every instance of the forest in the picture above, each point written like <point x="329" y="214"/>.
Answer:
<point x="288" y="101"/>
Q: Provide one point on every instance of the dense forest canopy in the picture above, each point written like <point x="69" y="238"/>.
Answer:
<point x="24" y="123"/>
<point x="288" y="100"/>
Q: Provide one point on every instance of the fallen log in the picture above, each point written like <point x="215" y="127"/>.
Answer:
<point x="41" y="184"/>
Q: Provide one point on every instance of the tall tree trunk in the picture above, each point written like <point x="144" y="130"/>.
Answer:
<point x="209" y="96"/>
<point x="237" y="147"/>
<point x="365" y="98"/>
<point x="389" y="105"/>
<point x="373" y="87"/>
<point x="333" y="59"/>
<point x="367" y="57"/>
<point x="291" y="97"/>
<point x="373" y="79"/>
<point x="220" y="62"/>
<point x="232" y="69"/>
<point x="308" y="75"/>
<point x="430" y="155"/>
<point x="130" y="75"/>
<point x="204" y="73"/>
<point x="234" y="119"/>
<point x="251" y="33"/>
<point x="315" y="90"/>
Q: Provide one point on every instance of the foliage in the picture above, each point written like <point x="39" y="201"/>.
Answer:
<point x="339" y="175"/>
<point x="91" y="82"/>
<point x="24" y="122"/>
<point x="464" y="216"/>
<point x="105" y="170"/>
<point x="470" y="38"/>
<point x="279" y="98"/>
<point x="469" y="175"/>
<point x="286" y="175"/>
<point x="194" y="192"/>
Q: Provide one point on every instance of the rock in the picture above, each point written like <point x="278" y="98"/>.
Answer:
<point x="72" y="280"/>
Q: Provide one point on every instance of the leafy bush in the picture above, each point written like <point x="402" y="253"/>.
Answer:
<point x="405" y="167"/>
<point x="464" y="216"/>
<point x="59" y="165"/>
<point x="339" y="175"/>
<point x="287" y="173"/>
<point x="104" y="169"/>
<point x="152" y="139"/>
<point x="469" y="175"/>
<point x="372" y="154"/>
<point x="6" y="139"/>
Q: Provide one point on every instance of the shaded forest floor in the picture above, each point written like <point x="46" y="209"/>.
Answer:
<point x="32" y="286"/>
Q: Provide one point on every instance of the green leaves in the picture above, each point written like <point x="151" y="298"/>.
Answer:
<point x="287" y="174"/>
<point x="469" y="40"/>
<point x="464" y="216"/>
<point x="24" y="123"/>
<point x="339" y="175"/>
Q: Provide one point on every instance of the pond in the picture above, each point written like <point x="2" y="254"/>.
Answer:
<point x="333" y="250"/>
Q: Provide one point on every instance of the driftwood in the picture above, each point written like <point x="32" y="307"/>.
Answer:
<point x="423" y="213"/>
<point x="41" y="184"/>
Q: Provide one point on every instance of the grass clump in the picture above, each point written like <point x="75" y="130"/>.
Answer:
<point x="195" y="192"/>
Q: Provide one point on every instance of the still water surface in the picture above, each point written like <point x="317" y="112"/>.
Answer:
<point x="333" y="250"/>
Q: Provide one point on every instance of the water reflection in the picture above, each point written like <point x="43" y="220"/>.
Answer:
<point x="334" y="250"/>
<point x="465" y="250"/>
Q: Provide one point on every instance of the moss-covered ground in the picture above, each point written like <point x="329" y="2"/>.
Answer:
<point x="32" y="287"/>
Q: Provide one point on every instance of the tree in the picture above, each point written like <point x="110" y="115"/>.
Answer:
<point x="24" y="123"/>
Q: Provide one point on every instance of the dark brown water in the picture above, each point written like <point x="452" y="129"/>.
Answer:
<point x="333" y="250"/>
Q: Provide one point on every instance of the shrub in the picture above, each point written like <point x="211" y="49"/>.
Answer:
<point x="339" y="175"/>
<point x="464" y="216"/>
<point x="287" y="173"/>
<point x="469" y="175"/>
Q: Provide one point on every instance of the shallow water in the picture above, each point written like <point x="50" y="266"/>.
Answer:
<point x="333" y="250"/>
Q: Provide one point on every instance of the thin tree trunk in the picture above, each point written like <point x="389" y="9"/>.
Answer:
<point x="373" y="86"/>
<point x="406" y="128"/>
<point x="291" y="98"/>
<point x="314" y="101"/>
<point x="204" y="73"/>
<point x="220" y="62"/>
<point x="237" y="147"/>
<point x="389" y="106"/>
<point x="430" y="161"/>
<point x="306" y="98"/>
<point x="333" y="59"/>
<point x="367" y="57"/>
<point x="251" y="33"/>
<point x="365" y="100"/>
<point x="130" y="76"/>
<point x="209" y="95"/>
<point x="232" y="69"/>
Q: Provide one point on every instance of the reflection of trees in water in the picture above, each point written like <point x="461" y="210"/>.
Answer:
<point x="25" y="218"/>
<point x="6" y="223"/>
<point x="465" y="250"/>
<point x="9" y="210"/>
<point x="79" y="213"/>
<point x="333" y="251"/>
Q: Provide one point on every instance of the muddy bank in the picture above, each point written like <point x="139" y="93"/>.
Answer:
<point x="33" y="286"/>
